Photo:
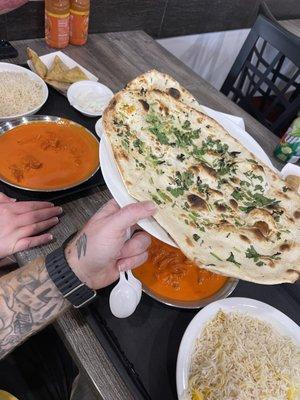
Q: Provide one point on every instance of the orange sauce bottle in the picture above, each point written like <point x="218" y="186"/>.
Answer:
<point x="57" y="14"/>
<point x="79" y="21"/>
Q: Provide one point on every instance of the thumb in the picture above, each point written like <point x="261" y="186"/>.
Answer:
<point x="131" y="214"/>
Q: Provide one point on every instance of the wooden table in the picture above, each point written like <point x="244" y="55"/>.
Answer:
<point x="116" y="58"/>
<point x="292" y="25"/>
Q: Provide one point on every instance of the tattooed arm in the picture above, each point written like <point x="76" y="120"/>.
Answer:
<point x="29" y="300"/>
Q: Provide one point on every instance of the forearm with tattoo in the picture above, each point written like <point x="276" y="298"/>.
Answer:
<point x="29" y="300"/>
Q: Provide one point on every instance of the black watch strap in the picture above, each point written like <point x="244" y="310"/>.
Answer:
<point x="75" y="291"/>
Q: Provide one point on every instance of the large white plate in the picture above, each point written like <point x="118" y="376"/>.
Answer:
<point x="283" y="324"/>
<point x="7" y="67"/>
<point x="117" y="188"/>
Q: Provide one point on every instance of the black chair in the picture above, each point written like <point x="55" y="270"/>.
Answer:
<point x="257" y="81"/>
<point x="264" y="10"/>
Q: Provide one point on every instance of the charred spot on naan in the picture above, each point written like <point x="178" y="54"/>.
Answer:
<point x="144" y="104"/>
<point x="216" y="192"/>
<point x="234" y="204"/>
<point x="263" y="227"/>
<point x="262" y="215"/>
<point x="189" y="242"/>
<point x="244" y="238"/>
<point x="297" y="214"/>
<point x="163" y="108"/>
<point x="271" y="263"/>
<point x="197" y="202"/>
<point x="175" y="93"/>
<point x="220" y="207"/>
<point x="285" y="247"/>
<point x="120" y="154"/>
<point x="294" y="273"/>
<point x="235" y="180"/>
<point x="257" y="167"/>
<point x="293" y="182"/>
<point x="258" y="234"/>
<point x="208" y="170"/>
<point x="112" y="104"/>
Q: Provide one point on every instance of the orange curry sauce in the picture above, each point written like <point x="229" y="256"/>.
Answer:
<point x="168" y="273"/>
<point x="47" y="155"/>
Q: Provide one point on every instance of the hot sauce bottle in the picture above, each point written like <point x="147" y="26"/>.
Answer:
<point x="57" y="13"/>
<point x="79" y="21"/>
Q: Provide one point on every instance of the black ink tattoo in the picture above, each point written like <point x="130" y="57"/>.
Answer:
<point x="81" y="245"/>
<point x="29" y="300"/>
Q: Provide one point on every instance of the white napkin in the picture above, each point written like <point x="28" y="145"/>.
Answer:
<point x="290" y="169"/>
<point x="236" y="120"/>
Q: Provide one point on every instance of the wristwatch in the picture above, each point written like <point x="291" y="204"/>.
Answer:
<point x="75" y="291"/>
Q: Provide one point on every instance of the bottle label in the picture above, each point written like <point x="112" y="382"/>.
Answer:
<point x="57" y="29"/>
<point x="79" y="22"/>
<point x="288" y="149"/>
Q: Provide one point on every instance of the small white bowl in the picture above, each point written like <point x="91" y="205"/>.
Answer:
<point x="78" y="88"/>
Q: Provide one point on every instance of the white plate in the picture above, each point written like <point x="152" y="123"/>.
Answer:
<point x="49" y="58"/>
<point x="282" y="323"/>
<point x="104" y="93"/>
<point x="7" y="67"/>
<point x="117" y="188"/>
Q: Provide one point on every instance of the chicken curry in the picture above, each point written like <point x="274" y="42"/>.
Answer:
<point x="48" y="155"/>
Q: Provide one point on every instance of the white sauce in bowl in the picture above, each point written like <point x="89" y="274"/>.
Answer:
<point x="88" y="97"/>
<point x="92" y="102"/>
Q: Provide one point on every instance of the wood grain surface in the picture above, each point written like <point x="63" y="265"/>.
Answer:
<point x="292" y="25"/>
<point x="116" y="58"/>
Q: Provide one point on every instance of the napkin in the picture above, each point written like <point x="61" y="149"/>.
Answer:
<point x="288" y="172"/>
<point x="213" y="113"/>
<point x="290" y="169"/>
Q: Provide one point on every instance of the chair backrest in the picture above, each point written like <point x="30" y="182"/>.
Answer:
<point x="265" y="77"/>
<point x="264" y="10"/>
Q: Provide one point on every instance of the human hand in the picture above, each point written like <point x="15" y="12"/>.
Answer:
<point x="100" y="250"/>
<point x="22" y="222"/>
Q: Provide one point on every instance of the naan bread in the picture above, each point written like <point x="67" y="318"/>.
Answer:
<point x="226" y="210"/>
<point x="155" y="80"/>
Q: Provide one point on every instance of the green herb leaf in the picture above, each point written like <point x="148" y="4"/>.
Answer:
<point x="186" y="124"/>
<point x="237" y="194"/>
<point x="176" y="192"/>
<point x="260" y="263"/>
<point x="156" y="127"/>
<point x="252" y="253"/>
<point x="215" y="255"/>
<point x="125" y="143"/>
<point x="140" y="145"/>
<point x="156" y="199"/>
<point x="252" y="161"/>
<point x="163" y="195"/>
<point x="232" y="259"/>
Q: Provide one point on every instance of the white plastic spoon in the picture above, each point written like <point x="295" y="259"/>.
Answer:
<point x="126" y="295"/>
<point x="136" y="284"/>
<point x="123" y="299"/>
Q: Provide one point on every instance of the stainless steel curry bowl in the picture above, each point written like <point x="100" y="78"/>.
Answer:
<point x="224" y="292"/>
<point x="9" y="125"/>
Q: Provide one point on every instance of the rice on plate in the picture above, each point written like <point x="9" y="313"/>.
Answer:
<point x="21" y="92"/>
